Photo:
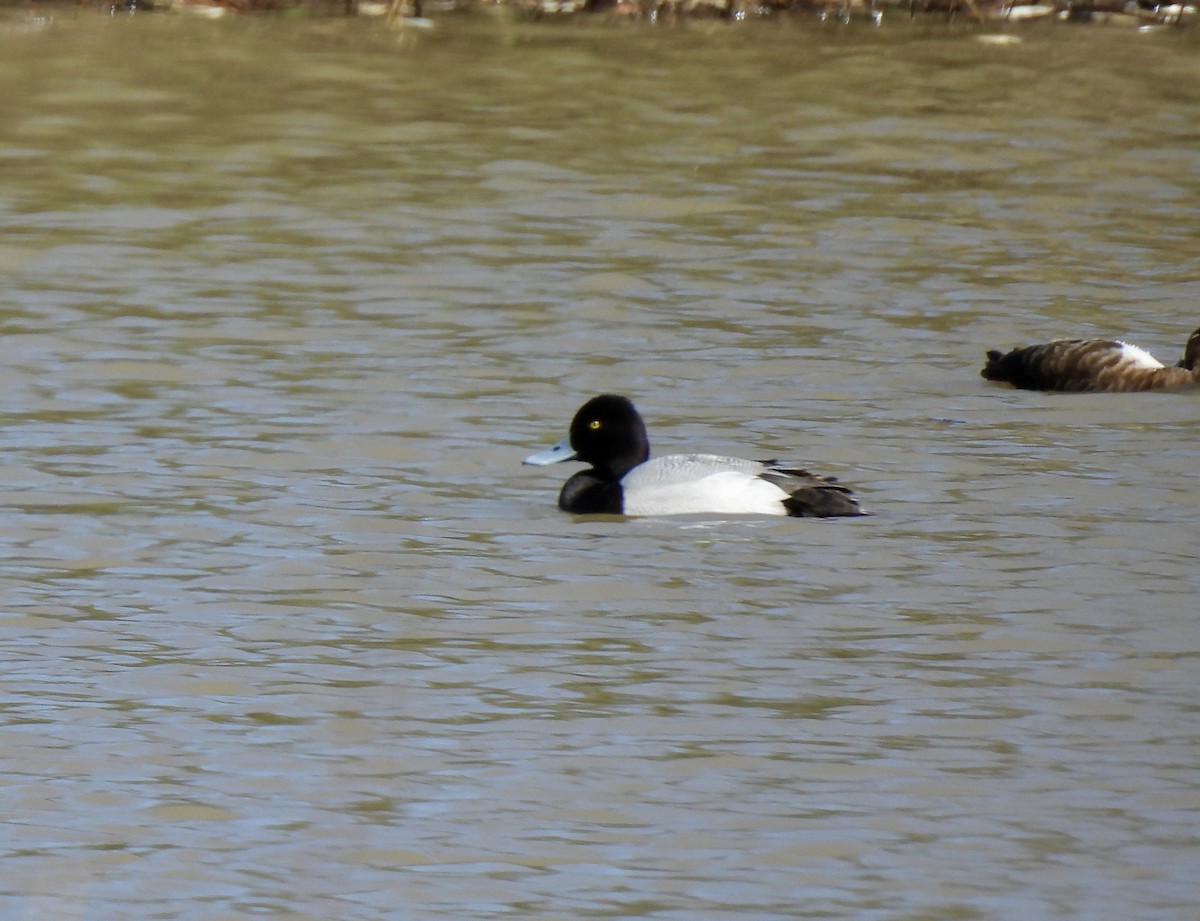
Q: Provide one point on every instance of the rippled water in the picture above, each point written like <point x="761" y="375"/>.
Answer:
<point x="290" y="632"/>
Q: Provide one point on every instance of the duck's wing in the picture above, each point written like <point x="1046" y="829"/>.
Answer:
<point x="810" y="495"/>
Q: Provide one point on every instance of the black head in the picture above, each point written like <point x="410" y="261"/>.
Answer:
<point x="608" y="433"/>
<point x="1191" y="352"/>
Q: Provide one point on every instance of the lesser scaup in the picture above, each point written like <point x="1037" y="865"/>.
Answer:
<point x="1092" y="365"/>
<point x="609" y="434"/>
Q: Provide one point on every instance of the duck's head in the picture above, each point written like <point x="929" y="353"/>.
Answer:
<point x="607" y="433"/>
<point x="1191" y="352"/>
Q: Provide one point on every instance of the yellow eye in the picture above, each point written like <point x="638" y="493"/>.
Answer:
<point x="594" y="424"/>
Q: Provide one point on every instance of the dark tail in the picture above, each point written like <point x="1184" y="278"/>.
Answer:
<point x="995" y="369"/>
<point x="822" y="502"/>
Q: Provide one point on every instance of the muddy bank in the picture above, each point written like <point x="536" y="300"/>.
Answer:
<point x="1132" y="13"/>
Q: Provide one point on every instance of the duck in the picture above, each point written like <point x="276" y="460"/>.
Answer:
<point x="1092" y="366"/>
<point x="608" y="433"/>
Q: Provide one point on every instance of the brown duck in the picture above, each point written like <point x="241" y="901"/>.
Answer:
<point x="1092" y="366"/>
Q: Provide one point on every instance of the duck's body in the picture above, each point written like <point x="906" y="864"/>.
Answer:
<point x="609" y="434"/>
<point x="1092" y="366"/>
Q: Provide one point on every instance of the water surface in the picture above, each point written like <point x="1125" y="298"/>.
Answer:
<point x="289" y="631"/>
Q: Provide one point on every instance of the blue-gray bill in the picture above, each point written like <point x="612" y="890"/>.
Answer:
<point x="556" y="454"/>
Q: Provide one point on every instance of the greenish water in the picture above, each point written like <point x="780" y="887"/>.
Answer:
<point x="288" y="629"/>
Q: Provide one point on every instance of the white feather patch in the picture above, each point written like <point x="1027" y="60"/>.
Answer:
<point x="1138" y="358"/>
<point x="683" y="484"/>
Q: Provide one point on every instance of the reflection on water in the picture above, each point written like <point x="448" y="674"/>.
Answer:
<point x="291" y="631"/>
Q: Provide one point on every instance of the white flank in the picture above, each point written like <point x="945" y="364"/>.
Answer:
<point x="1138" y="358"/>
<point x="694" y="484"/>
